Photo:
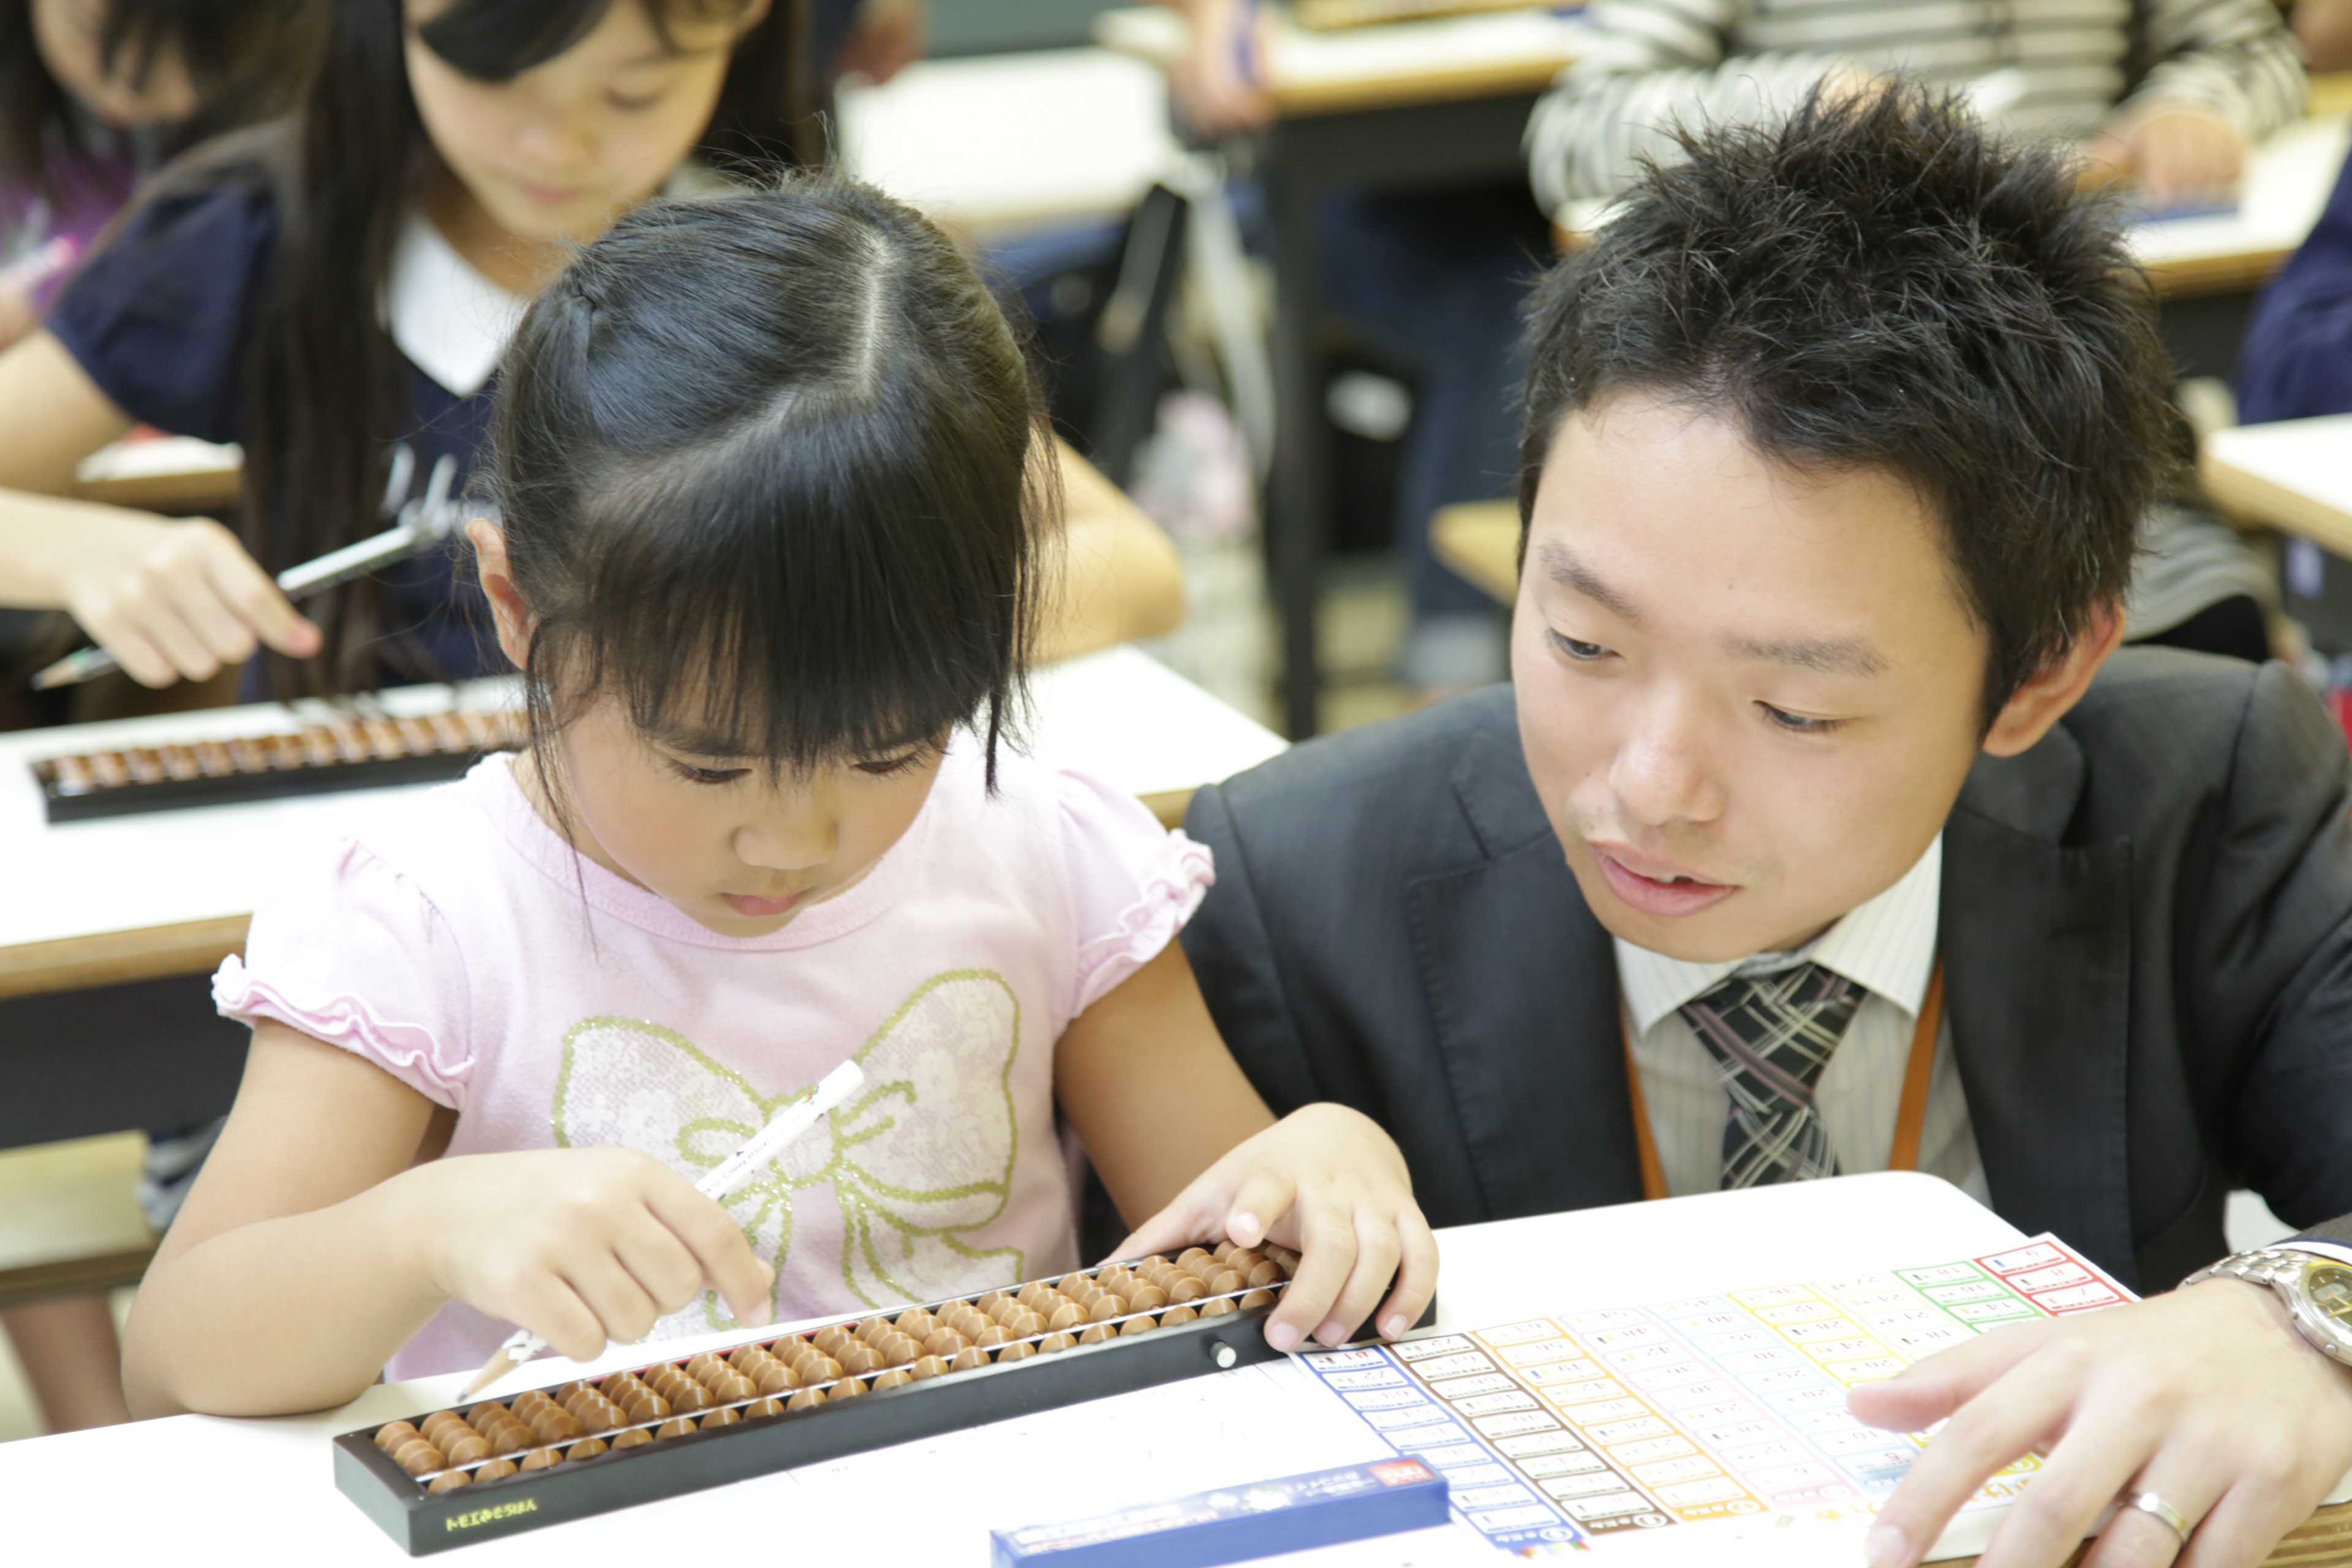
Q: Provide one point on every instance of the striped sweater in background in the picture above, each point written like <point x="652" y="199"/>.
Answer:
<point x="1653" y="63"/>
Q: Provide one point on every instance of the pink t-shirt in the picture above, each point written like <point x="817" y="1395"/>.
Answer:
<point x="452" y="947"/>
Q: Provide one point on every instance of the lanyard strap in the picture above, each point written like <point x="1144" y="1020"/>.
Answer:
<point x="1910" y="1119"/>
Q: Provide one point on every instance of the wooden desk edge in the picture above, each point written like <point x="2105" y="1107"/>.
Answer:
<point x="207" y="492"/>
<point x="1309" y="99"/>
<point x="2322" y="1541"/>
<point x="2238" y="272"/>
<point x="2280" y="506"/>
<point x="112" y="958"/>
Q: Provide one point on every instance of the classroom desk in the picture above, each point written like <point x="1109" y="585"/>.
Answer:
<point x="177" y="476"/>
<point x="161" y="894"/>
<point x="2295" y="475"/>
<point x="1479" y="540"/>
<point x="1406" y="104"/>
<point x="264" y="1489"/>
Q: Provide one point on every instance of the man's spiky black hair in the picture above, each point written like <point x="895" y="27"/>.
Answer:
<point x="1877" y="284"/>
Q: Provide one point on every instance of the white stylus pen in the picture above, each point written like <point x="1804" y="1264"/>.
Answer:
<point x="723" y="1178"/>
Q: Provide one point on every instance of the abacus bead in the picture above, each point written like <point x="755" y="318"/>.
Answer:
<point x="724" y="1415"/>
<point x="586" y="1448"/>
<point x="599" y="1415"/>
<point x="741" y="1354"/>
<point x="417" y="1456"/>
<point x="449" y="1481"/>
<point x="487" y="1411"/>
<point x="1218" y="1305"/>
<point x="968" y="1357"/>
<point x="994" y="1334"/>
<point x="872" y="1329"/>
<point x="1034" y="1292"/>
<point x="392" y="1434"/>
<point x="555" y="1426"/>
<point x="1224" y="1282"/>
<point x="944" y="1341"/>
<point x="1144" y="1298"/>
<point x="1137" y="1325"/>
<point x="917" y="1323"/>
<point x="1023" y="1351"/>
<point x="1185" y="1288"/>
<point x="468" y="1448"/>
<point x="859" y="1358"/>
<point x="1065" y="1316"/>
<point x="1223" y="1250"/>
<point x="776" y="1378"/>
<point x="703" y="1368"/>
<point x="496" y="1470"/>
<point x="824" y="1370"/>
<point x="1027" y="1324"/>
<point x="689" y="1396"/>
<point x="510" y="1437"/>
<point x="1095" y="1333"/>
<point x="987" y="1300"/>
<point x="1175" y="1315"/>
<point x="1257" y="1298"/>
<point x="439" y="1422"/>
<point x="648" y="1406"/>
<point x="900" y="1348"/>
<point x="1107" y="1306"/>
<point x="1050" y="1342"/>
<point x="891" y="1379"/>
<point x="676" y="1426"/>
<point x="541" y="1459"/>
<point x="804" y="1398"/>
<point x="631" y="1437"/>
<point x="771" y="1406"/>
<point x="1186" y="1258"/>
<point x="1117" y="1277"/>
<point x="1263" y="1272"/>
<point x="829" y="1339"/>
<point x="847" y="1388"/>
<point x="929" y="1366"/>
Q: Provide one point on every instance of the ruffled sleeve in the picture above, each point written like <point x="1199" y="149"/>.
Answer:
<point x="1133" y="883"/>
<point x="353" y="952"/>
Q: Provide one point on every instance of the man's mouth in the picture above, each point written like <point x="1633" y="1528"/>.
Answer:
<point x="1658" y="887"/>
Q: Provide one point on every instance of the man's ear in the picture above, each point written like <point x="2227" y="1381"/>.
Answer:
<point x="513" y="616"/>
<point x="2044" y="698"/>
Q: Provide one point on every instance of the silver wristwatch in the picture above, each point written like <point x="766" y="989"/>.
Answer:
<point x="2316" y="1288"/>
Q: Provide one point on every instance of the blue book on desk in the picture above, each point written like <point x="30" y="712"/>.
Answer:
<point x="1322" y="1508"/>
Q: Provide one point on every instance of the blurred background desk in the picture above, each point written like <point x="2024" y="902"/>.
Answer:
<point x="1409" y="104"/>
<point x="2295" y="475"/>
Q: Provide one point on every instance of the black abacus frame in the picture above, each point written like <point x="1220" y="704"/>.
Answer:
<point x="423" y="1522"/>
<point x="229" y="789"/>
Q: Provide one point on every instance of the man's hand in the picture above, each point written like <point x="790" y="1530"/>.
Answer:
<point x="1218" y="85"/>
<point x="2207" y="1398"/>
<point x="2178" y="154"/>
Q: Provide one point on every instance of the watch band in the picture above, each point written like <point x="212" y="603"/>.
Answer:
<point x="2282" y="1269"/>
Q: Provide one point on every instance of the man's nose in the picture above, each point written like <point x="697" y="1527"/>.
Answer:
<point x="1664" y="771"/>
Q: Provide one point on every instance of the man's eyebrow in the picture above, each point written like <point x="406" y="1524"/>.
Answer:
<point x="1562" y="566"/>
<point x="1825" y="655"/>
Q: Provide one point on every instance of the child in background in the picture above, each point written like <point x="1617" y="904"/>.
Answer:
<point x="95" y="93"/>
<point x="327" y="291"/>
<point x="767" y="552"/>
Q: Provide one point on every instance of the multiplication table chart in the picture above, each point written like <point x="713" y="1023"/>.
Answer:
<point x="1560" y="1432"/>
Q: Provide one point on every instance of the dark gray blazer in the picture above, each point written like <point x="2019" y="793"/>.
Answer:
<point x="2145" y="926"/>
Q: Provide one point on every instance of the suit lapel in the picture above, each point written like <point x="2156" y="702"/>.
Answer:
<point x="2037" y="956"/>
<point x="1522" y="989"/>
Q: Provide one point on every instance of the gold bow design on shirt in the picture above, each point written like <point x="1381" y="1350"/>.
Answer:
<point x="920" y="1159"/>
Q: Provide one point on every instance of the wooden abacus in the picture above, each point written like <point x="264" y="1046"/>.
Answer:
<point x="353" y="751"/>
<point x="546" y="1455"/>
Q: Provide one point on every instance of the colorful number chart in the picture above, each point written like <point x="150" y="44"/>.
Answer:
<point x="1556" y="1433"/>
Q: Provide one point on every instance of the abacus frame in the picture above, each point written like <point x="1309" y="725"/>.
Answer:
<point x="423" y="1522"/>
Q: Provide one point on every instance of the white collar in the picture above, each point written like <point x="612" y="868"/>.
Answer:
<point x="450" y="321"/>
<point x="1886" y="946"/>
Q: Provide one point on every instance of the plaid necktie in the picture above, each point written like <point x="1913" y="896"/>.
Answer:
<point x="1771" y="1036"/>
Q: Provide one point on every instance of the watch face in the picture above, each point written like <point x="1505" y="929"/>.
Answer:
<point x="2328" y="1287"/>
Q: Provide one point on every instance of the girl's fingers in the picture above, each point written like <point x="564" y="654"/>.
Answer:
<point x="625" y="1313"/>
<point x="554" y="1311"/>
<point x="1377" y="1252"/>
<point x="248" y="593"/>
<point x="1259" y="1204"/>
<point x="1327" y="1246"/>
<point x="141" y="659"/>
<point x="668" y="1274"/>
<point x="170" y="631"/>
<point x="1416" y="1280"/>
<point x="1172" y="1229"/>
<point x="728" y="1262"/>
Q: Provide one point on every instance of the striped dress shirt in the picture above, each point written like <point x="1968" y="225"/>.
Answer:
<point x="1886" y="946"/>
<point x="2050" y="68"/>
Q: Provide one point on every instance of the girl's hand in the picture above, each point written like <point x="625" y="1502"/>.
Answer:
<point x="1326" y="1182"/>
<point x="175" y="601"/>
<point x="582" y="1246"/>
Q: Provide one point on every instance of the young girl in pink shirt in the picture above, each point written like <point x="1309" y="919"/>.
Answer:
<point x="769" y="503"/>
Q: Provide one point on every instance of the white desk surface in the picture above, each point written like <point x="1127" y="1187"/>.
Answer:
<point x="1005" y="142"/>
<point x="2286" y="186"/>
<point x="2296" y="474"/>
<point x="1119" y="714"/>
<point x="1309" y="72"/>
<point x="262" y="1493"/>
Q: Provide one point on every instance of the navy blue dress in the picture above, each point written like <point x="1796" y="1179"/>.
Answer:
<point x="2297" y="362"/>
<point x="162" y="320"/>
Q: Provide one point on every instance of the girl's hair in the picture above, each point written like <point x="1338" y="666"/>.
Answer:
<point x="773" y="473"/>
<point x="246" y="60"/>
<point x="325" y="383"/>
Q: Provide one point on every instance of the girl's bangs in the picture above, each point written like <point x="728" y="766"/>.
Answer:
<point x="801" y="620"/>
<point x="498" y="40"/>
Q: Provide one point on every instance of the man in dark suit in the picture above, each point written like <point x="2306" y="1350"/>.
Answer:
<point x="1834" y="441"/>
